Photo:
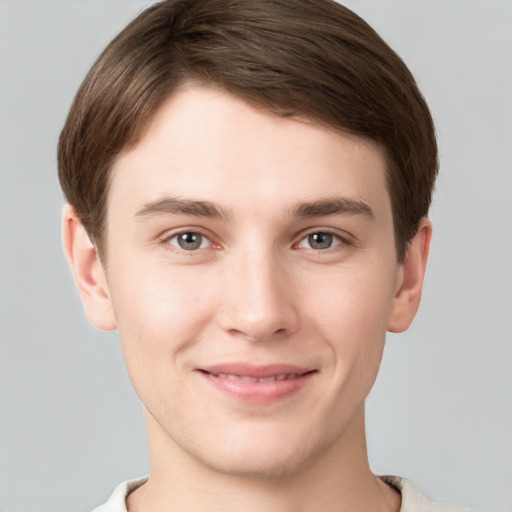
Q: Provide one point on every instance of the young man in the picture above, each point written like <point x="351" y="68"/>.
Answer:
<point x="248" y="183"/>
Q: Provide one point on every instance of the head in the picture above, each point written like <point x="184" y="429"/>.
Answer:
<point x="254" y="177"/>
<point x="313" y="59"/>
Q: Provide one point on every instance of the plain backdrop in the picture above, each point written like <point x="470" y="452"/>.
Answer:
<point x="71" y="427"/>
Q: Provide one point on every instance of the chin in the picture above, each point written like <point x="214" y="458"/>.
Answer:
<point x="260" y="454"/>
<point x="254" y="465"/>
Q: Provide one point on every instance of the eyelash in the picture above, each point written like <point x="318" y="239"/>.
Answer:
<point x="336" y="237"/>
<point x="204" y="237"/>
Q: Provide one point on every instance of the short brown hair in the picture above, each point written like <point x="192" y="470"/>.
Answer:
<point x="309" y="57"/>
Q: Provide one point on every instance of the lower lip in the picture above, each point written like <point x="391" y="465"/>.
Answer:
<point x="257" y="392"/>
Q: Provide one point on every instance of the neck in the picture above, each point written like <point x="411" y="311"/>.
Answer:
<point x="338" y="480"/>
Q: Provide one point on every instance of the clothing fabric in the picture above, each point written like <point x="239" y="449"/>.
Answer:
<point x="412" y="498"/>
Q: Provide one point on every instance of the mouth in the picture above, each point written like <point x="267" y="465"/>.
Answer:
<point x="257" y="383"/>
<point x="247" y="378"/>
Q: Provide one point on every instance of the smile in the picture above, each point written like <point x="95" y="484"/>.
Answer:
<point x="256" y="384"/>
<point x="247" y="378"/>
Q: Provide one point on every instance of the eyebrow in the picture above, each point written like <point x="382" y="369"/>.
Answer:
<point x="333" y="206"/>
<point x="318" y="208"/>
<point x="175" y="205"/>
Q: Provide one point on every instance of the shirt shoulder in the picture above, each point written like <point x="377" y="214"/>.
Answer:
<point x="413" y="500"/>
<point x="117" y="500"/>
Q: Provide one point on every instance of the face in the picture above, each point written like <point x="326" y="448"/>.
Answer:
<point x="252" y="272"/>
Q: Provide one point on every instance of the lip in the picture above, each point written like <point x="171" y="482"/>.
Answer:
<point x="260" y="384"/>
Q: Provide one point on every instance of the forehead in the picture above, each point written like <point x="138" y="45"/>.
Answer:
<point x="208" y="144"/>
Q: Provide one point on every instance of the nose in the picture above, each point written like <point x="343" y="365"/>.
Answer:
<point x="259" y="298"/>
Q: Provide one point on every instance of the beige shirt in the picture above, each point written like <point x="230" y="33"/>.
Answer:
<point x="412" y="499"/>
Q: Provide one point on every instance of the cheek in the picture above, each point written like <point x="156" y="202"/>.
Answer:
<point x="357" y="299"/>
<point x="159" y="314"/>
<point x="351" y="314"/>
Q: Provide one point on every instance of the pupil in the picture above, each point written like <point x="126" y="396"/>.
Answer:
<point x="189" y="241"/>
<point x="320" y="240"/>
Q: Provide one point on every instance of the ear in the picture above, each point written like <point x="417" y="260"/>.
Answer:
<point x="87" y="271"/>
<point x="410" y="280"/>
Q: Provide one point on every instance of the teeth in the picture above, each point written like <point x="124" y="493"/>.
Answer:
<point x="246" y="378"/>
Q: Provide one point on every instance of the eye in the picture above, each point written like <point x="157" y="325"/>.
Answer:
<point x="320" y="240"/>
<point x="189" y="241"/>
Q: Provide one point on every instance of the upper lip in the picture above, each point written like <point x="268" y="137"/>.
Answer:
<point x="256" y="371"/>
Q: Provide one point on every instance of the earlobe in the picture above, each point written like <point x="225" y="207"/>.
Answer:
<point x="87" y="270"/>
<point x="412" y="271"/>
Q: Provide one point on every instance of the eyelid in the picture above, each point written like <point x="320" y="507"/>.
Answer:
<point x="344" y="238"/>
<point x="202" y="245"/>
<point x="169" y="235"/>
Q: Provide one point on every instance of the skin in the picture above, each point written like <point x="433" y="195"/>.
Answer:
<point x="258" y="289"/>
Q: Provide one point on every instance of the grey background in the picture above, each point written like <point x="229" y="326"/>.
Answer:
<point x="441" y="412"/>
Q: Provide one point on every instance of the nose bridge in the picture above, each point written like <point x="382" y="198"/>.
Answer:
<point x="258" y="300"/>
